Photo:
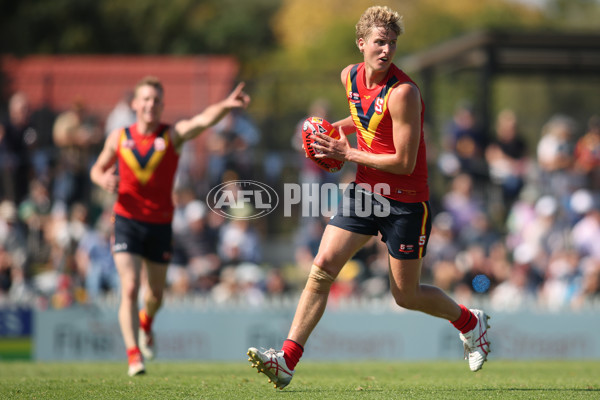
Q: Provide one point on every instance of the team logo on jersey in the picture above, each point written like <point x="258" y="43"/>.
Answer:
<point x="160" y="144"/>
<point x="128" y="144"/>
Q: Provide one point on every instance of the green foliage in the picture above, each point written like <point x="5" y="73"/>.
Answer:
<point x="349" y="380"/>
<point x="137" y="26"/>
<point x="574" y="14"/>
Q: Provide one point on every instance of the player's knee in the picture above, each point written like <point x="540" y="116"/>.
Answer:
<point x="319" y="281"/>
<point x="155" y="296"/>
<point x="322" y="260"/>
<point x="129" y="291"/>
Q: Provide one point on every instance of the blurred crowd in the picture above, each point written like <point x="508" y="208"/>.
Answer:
<point x="526" y="217"/>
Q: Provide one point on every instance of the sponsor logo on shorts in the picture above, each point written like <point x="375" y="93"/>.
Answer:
<point x="119" y="247"/>
<point x="406" y="248"/>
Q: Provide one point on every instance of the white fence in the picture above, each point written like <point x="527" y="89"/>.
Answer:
<point x="189" y="333"/>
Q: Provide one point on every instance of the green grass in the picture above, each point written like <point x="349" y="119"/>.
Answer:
<point x="15" y="348"/>
<point x="352" y="380"/>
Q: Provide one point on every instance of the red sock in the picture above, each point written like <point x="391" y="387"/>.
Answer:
<point x="134" y="355"/>
<point x="467" y="320"/>
<point x="145" y="321"/>
<point x="292" y="352"/>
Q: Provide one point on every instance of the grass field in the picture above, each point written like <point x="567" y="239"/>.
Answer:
<point x="352" y="380"/>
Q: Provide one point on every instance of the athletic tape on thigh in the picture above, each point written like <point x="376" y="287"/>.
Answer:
<point x="319" y="281"/>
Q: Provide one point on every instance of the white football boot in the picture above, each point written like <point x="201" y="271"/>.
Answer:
<point x="136" y="366"/>
<point x="476" y="344"/>
<point x="272" y="364"/>
<point x="146" y="343"/>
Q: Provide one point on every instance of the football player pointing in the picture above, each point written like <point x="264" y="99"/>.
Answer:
<point x="386" y="112"/>
<point x="147" y="154"/>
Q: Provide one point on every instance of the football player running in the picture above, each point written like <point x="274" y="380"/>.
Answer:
<point x="147" y="154"/>
<point x="386" y="112"/>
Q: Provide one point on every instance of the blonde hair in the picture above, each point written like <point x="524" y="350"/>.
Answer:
<point x="378" y="17"/>
<point x="149" y="81"/>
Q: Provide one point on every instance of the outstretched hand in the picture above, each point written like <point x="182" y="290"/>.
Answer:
<point x="238" y="98"/>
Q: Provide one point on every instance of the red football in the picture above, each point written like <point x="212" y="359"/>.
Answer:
<point x="316" y="124"/>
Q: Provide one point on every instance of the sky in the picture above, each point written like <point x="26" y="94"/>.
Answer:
<point x="538" y="3"/>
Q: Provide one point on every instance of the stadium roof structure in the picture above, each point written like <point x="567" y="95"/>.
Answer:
<point x="494" y="53"/>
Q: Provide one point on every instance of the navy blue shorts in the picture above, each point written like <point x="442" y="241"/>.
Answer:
<point x="151" y="241"/>
<point x="404" y="227"/>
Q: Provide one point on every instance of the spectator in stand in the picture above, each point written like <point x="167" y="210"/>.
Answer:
<point x="14" y="155"/>
<point x="197" y="243"/>
<point x="35" y="211"/>
<point x="587" y="154"/>
<point x="589" y="288"/>
<point x="547" y="232"/>
<point x="13" y="233"/>
<point x="585" y="234"/>
<point x="275" y="283"/>
<point x="442" y="250"/>
<point x="77" y="135"/>
<point x="121" y="115"/>
<point x="465" y="139"/>
<point x="54" y="279"/>
<point x="507" y="158"/>
<point x="555" y="156"/>
<point x="520" y="215"/>
<point x="6" y="267"/>
<point x="13" y="253"/>
<point x="515" y="293"/>
<point x="500" y="261"/>
<point x="525" y="278"/>
<point x="462" y="202"/>
<point x="562" y="279"/>
<point x="239" y="242"/>
<point x="473" y="261"/>
<point x="480" y="231"/>
<point x="41" y="144"/>
<point x="95" y="262"/>
<point x="232" y="143"/>
<point x="250" y="283"/>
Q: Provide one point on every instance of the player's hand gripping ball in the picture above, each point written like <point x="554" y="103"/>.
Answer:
<point x="311" y="126"/>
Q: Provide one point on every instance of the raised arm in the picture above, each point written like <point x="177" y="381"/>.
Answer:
<point x="190" y="128"/>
